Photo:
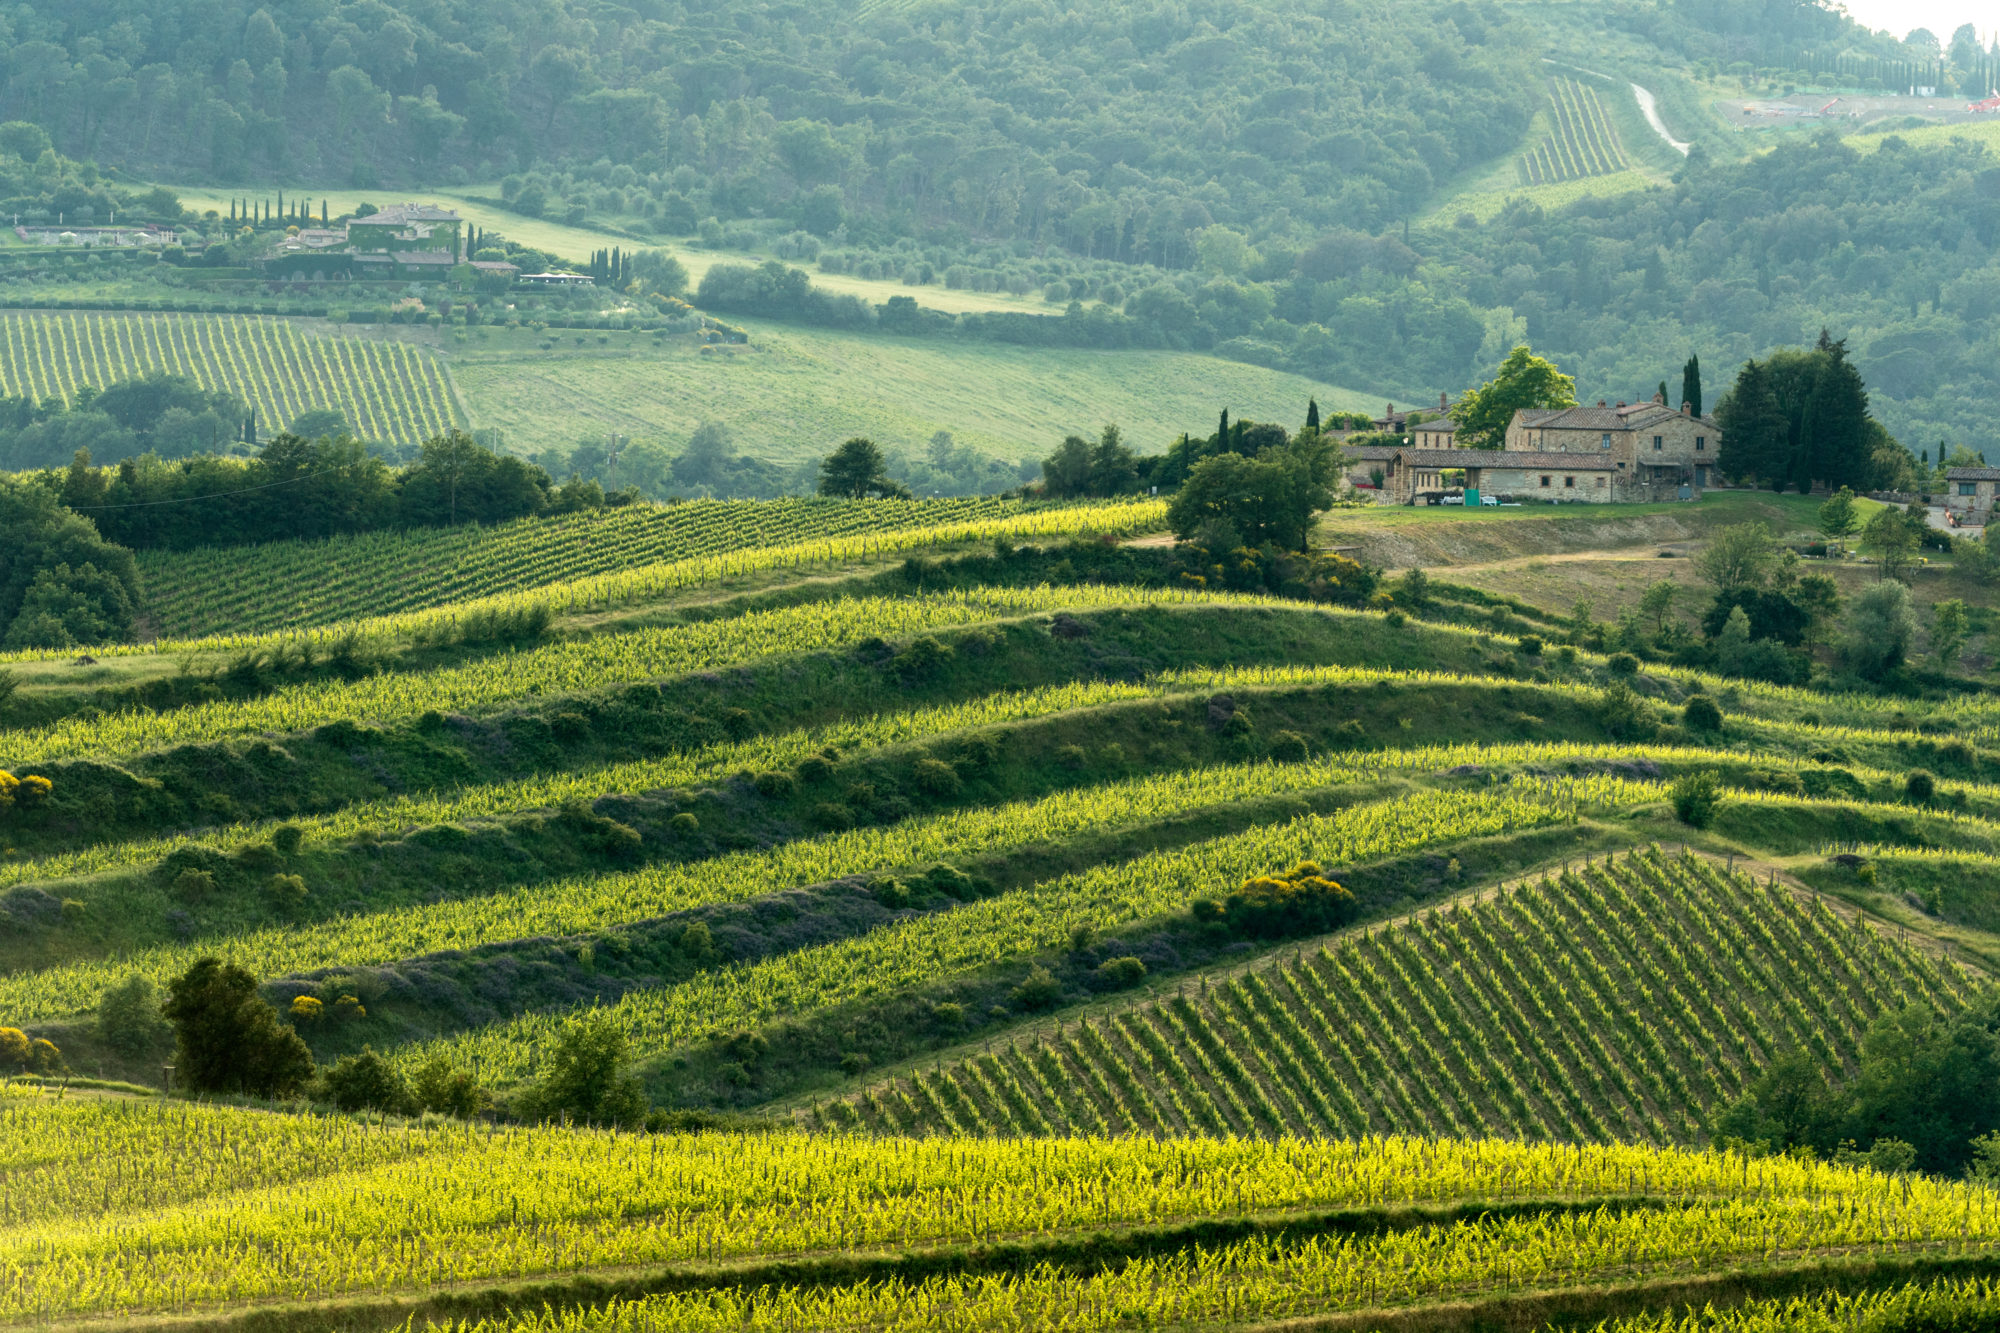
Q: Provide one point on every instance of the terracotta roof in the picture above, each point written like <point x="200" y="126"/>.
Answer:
<point x="1632" y="416"/>
<point x="1972" y="474"/>
<point x="1505" y="458"/>
<point x="1373" y="453"/>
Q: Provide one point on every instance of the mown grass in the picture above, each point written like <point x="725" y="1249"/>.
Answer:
<point x="795" y="392"/>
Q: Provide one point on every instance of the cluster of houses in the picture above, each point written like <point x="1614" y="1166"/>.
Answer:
<point x="1611" y="453"/>
<point x="402" y="243"/>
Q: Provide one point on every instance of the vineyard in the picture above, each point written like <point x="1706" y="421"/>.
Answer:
<point x="388" y="390"/>
<point x="294" y="585"/>
<point x="1517" y="1012"/>
<point x="263" y="1209"/>
<point x="970" y="944"/>
<point x="1582" y="142"/>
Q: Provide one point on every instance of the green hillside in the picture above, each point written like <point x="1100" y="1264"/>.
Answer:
<point x="797" y="391"/>
<point x="847" y="914"/>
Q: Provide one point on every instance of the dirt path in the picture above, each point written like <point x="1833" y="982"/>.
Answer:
<point x="1646" y="555"/>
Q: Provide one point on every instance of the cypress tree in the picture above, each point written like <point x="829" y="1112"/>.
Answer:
<point x="1754" y="435"/>
<point x="1222" y="432"/>
<point x="1663" y="391"/>
<point x="1312" y="414"/>
<point x="1691" y="384"/>
<point x="1837" y="446"/>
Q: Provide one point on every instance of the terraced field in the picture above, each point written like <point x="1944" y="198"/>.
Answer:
<point x="1022" y="935"/>
<point x="1521" y="1012"/>
<point x="297" y="585"/>
<point x="1581" y="143"/>
<point x="388" y="390"/>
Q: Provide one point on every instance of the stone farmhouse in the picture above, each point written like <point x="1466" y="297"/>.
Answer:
<point x="1969" y="493"/>
<point x="406" y="242"/>
<point x="1625" y="453"/>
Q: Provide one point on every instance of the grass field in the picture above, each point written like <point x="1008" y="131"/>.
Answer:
<point x="387" y="389"/>
<point x="909" y="858"/>
<point x="796" y="392"/>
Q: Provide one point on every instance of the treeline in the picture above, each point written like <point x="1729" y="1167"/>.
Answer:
<point x="165" y="415"/>
<point x="67" y="575"/>
<point x="303" y="488"/>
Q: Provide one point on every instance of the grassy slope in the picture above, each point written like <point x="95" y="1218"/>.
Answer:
<point x="798" y="391"/>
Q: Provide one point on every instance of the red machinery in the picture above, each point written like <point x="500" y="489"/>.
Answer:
<point x="1991" y="105"/>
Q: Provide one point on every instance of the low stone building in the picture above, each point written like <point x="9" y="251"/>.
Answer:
<point x="1415" y="474"/>
<point x="1368" y="464"/>
<point x="1969" y="493"/>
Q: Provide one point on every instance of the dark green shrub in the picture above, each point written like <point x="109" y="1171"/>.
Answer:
<point x="1288" y="747"/>
<point x="286" y="893"/>
<point x="775" y="785"/>
<point x="1622" y="664"/>
<point x="1695" y="797"/>
<point x="1039" y="990"/>
<point x="1120" y="973"/>
<point x="1529" y="645"/>
<point x="439" y="1087"/>
<point x="365" y="1082"/>
<point x="892" y="893"/>
<point x="832" y="816"/>
<point x="813" y="770"/>
<point x="193" y="885"/>
<point x="1919" y="787"/>
<point x="684" y="824"/>
<point x="1351" y="735"/>
<point x="934" y="777"/>
<point x="287" y="839"/>
<point x="1701" y="713"/>
<point x="1072" y="757"/>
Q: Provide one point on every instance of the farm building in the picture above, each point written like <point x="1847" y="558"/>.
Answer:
<point x="401" y="242"/>
<point x="1969" y="493"/>
<point x="1414" y="474"/>
<point x="1652" y="446"/>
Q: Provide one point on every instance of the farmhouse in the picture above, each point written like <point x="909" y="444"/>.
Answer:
<point x="1969" y="493"/>
<point x="1654" y="450"/>
<point x="406" y="241"/>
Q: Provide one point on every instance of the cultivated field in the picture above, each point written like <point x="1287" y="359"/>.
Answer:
<point x="388" y="390"/>
<point x="912" y="855"/>
<point x="796" y="392"/>
<point x="1581" y="140"/>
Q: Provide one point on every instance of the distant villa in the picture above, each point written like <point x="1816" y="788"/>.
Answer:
<point x="404" y="241"/>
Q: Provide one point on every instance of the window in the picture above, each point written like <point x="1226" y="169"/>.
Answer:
<point x="1600" y="481"/>
<point x="1545" y="481"/>
<point x="1659" y="442"/>
<point x="1701" y="444"/>
<point x="1607" y="441"/>
<point x="1569" y="483"/>
<point x="1968" y="488"/>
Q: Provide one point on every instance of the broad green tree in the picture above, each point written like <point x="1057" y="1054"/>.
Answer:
<point x="1737" y="557"/>
<point x="1837" y="517"/>
<point x="1270" y="498"/>
<point x="856" y="471"/>
<point x="1524" y="381"/>
<point x="1949" y="627"/>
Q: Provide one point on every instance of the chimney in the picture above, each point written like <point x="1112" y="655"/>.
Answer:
<point x="1601" y="403"/>
<point x="1621" y="404"/>
<point x="1444" y="401"/>
<point x="1687" y="409"/>
<point x="1660" y="397"/>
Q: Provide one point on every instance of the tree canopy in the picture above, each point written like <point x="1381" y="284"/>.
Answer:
<point x="1524" y="381"/>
